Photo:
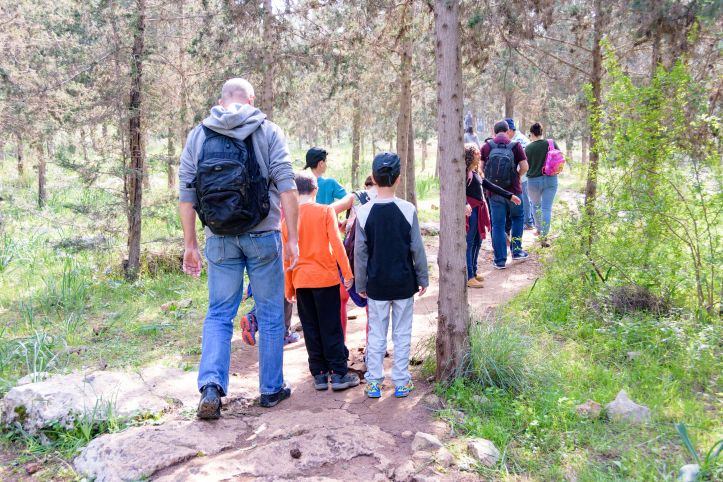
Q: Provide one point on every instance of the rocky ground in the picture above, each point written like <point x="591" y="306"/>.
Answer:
<point x="314" y="435"/>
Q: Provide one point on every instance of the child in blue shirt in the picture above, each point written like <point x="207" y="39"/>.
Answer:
<point x="329" y="188"/>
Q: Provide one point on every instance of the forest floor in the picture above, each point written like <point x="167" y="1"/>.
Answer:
<point x="341" y="435"/>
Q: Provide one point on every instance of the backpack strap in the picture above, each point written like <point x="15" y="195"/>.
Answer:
<point x="512" y="144"/>
<point x="550" y="145"/>
<point x="492" y="143"/>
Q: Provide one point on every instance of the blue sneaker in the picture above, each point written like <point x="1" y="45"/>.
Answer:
<point x="373" y="390"/>
<point x="521" y="255"/>
<point x="500" y="266"/>
<point x="403" y="390"/>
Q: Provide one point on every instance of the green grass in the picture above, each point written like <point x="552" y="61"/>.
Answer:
<point x="557" y="346"/>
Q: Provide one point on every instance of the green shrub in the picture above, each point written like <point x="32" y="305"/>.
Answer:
<point x="501" y="356"/>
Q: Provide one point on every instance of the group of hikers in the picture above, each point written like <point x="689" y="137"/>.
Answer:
<point x="282" y="229"/>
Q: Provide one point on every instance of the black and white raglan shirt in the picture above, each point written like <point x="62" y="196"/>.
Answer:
<point x="389" y="258"/>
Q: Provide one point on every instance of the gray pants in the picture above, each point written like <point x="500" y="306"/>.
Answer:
<point x="402" y="315"/>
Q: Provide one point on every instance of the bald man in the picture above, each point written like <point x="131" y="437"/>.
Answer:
<point x="237" y="131"/>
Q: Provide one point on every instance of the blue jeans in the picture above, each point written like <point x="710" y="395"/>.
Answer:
<point x="228" y="257"/>
<point x="501" y="208"/>
<point x="526" y="204"/>
<point x="542" y="192"/>
<point x="474" y="243"/>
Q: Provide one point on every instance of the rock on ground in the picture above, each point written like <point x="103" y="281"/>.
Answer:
<point x="444" y="457"/>
<point x="589" y="409"/>
<point x="404" y="472"/>
<point x="62" y="399"/>
<point x="483" y="451"/>
<point x="138" y="452"/>
<point x="429" y="229"/>
<point x="330" y="438"/>
<point x="624" y="409"/>
<point x="425" y="441"/>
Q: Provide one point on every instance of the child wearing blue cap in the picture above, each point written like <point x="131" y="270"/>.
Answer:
<point x="390" y="267"/>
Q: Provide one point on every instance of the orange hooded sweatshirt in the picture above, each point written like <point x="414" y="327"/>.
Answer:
<point x="320" y="250"/>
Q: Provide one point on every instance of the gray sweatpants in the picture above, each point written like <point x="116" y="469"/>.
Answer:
<point x="402" y="315"/>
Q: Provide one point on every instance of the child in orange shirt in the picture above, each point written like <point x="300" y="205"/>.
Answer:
<point x="314" y="285"/>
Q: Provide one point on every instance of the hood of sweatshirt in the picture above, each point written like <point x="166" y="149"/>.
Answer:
<point x="238" y="120"/>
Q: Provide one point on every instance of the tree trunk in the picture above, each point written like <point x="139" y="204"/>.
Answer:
<point x="404" y="118"/>
<point x="410" y="178"/>
<point x="183" y="98"/>
<point x="355" y="142"/>
<point x="170" y="160"/>
<point x="453" y="321"/>
<point x="583" y="149"/>
<point x="509" y="103"/>
<point x="146" y="164"/>
<point x="425" y="154"/>
<point x="2" y="151"/>
<point x="19" y="154"/>
<point x="84" y="147"/>
<point x="42" y="194"/>
<point x="569" y="149"/>
<point x="135" y="137"/>
<point x="596" y="81"/>
<point x="267" y="92"/>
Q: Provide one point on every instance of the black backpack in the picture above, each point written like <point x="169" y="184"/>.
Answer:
<point x="233" y="196"/>
<point x="500" y="167"/>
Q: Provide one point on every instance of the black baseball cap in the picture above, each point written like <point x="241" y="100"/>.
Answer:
<point x="314" y="156"/>
<point x="386" y="164"/>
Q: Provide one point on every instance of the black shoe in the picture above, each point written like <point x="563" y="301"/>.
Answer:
<point x="339" y="382"/>
<point x="321" y="381"/>
<point x="209" y="408"/>
<point x="268" y="401"/>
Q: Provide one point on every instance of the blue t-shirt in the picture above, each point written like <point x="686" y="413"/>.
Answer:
<point x="329" y="190"/>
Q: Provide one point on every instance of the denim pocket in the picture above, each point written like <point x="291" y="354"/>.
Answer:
<point x="267" y="245"/>
<point x="215" y="249"/>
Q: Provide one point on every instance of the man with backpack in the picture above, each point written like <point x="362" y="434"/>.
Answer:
<point x="236" y="174"/>
<point x="504" y="163"/>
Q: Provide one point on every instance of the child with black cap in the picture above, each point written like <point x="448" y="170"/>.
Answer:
<point x="390" y="266"/>
<point x="329" y="188"/>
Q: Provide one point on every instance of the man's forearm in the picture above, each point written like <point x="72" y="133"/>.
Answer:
<point x="290" y="204"/>
<point x="524" y="167"/>
<point x="188" y="221"/>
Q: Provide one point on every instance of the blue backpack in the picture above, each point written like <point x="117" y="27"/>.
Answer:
<point x="233" y="196"/>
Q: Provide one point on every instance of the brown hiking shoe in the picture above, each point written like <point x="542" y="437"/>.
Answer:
<point x="473" y="283"/>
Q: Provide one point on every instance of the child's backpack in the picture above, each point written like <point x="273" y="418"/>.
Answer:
<point x="363" y="198"/>
<point x="554" y="161"/>
<point x="500" y="167"/>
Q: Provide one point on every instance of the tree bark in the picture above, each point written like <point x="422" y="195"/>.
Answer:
<point x="355" y="141"/>
<point x="42" y="194"/>
<point x="596" y="81"/>
<point x="19" y="154"/>
<point x="267" y="92"/>
<point x="453" y="321"/>
<point x="135" y="137"/>
<point x="170" y="160"/>
<point x="425" y="154"/>
<point x="404" y="118"/>
<point x="410" y="178"/>
<point x="509" y="103"/>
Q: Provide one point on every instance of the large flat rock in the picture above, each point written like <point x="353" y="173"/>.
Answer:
<point x="138" y="452"/>
<point x="62" y="399"/>
<point x="325" y="439"/>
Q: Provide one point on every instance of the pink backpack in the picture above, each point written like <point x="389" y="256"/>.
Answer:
<point x="554" y="161"/>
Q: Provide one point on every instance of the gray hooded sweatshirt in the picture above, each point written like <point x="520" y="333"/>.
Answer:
<point x="240" y="121"/>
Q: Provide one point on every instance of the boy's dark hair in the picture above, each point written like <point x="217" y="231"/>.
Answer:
<point x="369" y="182"/>
<point x="536" y="129"/>
<point x="386" y="179"/>
<point x="305" y="183"/>
<point x="468" y="130"/>
<point x="501" y="126"/>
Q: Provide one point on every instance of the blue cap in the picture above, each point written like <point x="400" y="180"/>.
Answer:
<point x="386" y="164"/>
<point x="511" y="122"/>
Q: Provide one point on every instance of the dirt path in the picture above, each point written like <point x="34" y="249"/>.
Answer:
<point x="384" y="420"/>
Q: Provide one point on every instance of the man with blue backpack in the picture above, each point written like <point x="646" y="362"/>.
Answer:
<point x="236" y="174"/>
<point x="504" y="164"/>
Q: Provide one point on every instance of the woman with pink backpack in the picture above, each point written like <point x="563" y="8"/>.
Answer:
<point x="546" y="162"/>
